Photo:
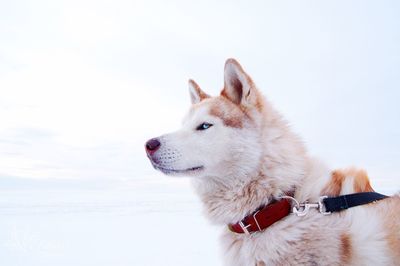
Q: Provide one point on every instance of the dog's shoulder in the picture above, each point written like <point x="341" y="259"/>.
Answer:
<point x="346" y="181"/>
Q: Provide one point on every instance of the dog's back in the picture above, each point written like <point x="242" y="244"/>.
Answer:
<point x="368" y="234"/>
<point x="386" y="214"/>
<point x="374" y="233"/>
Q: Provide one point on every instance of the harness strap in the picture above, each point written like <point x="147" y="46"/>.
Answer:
<point x="344" y="202"/>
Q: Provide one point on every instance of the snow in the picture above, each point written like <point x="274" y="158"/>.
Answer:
<point x="148" y="221"/>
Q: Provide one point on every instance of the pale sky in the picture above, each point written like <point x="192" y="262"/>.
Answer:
<point x="83" y="84"/>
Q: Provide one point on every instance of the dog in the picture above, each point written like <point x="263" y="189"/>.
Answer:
<point x="243" y="158"/>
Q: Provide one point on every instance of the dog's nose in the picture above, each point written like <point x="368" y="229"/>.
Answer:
<point x="152" y="145"/>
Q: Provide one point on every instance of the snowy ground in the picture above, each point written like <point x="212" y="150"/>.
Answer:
<point x="147" y="221"/>
<point x="152" y="221"/>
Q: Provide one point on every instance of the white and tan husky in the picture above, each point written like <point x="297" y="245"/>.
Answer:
<point x="242" y="155"/>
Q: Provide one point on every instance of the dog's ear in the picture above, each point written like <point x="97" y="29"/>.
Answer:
<point x="196" y="94"/>
<point x="238" y="86"/>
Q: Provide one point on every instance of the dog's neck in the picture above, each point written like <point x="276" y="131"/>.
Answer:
<point x="282" y="167"/>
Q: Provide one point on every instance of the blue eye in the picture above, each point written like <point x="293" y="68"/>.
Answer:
<point x="204" y="126"/>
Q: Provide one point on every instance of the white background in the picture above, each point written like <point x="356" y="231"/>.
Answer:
<point x="83" y="85"/>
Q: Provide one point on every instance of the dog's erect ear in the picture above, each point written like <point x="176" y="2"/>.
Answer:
<point x="196" y="94"/>
<point x="238" y="86"/>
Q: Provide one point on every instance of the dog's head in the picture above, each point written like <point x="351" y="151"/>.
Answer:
<point x="220" y="136"/>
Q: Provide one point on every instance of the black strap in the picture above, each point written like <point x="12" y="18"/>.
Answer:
<point x="344" y="202"/>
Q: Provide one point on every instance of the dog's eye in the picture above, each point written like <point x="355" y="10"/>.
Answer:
<point x="204" y="126"/>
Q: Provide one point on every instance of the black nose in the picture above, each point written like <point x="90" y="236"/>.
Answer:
<point x="152" y="145"/>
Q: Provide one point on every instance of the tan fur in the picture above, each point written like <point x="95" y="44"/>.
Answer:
<point x="202" y="95"/>
<point x="228" y="113"/>
<point x="360" y="181"/>
<point x="346" y="248"/>
<point x="334" y="186"/>
<point x="250" y="157"/>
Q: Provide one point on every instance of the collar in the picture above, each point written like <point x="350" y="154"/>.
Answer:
<point x="262" y="218"/>
<point x="277" y="210"/>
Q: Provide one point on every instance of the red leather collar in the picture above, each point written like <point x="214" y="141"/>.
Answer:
<point x="262" y="218"/>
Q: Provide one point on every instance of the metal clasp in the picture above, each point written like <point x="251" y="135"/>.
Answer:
<point x="304" y="208"/>
<point x="301" y="209"/>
